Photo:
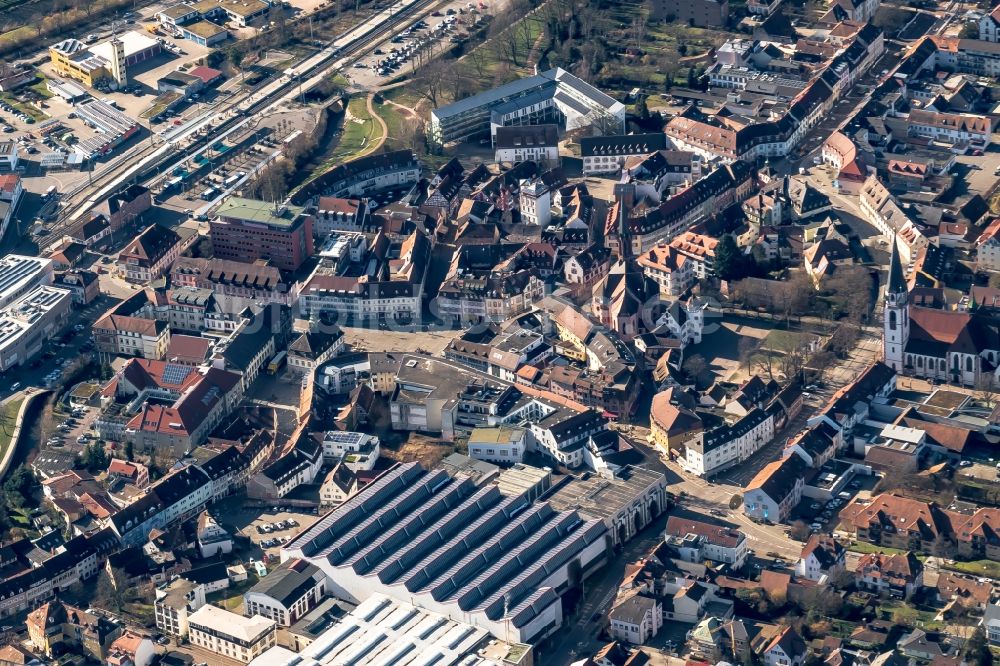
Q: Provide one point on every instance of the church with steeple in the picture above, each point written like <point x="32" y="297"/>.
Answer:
<point x="958" y="347"/>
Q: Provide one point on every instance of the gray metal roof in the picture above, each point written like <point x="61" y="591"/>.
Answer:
<point x="551" y="79"/>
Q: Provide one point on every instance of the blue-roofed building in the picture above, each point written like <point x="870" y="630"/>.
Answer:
<point x="498" y="562"/>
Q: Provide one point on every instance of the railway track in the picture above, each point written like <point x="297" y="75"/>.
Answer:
<point x="148" y="163"/>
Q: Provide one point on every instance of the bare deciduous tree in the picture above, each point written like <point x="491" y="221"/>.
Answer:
<point x="986" y="388"/>
<point x="431" y="81"/>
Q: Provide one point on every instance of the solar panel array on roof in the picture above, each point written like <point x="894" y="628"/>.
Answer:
<point x="408" y="528"/>
<point x="15" y="271"/>
<point x="410" y="554"/>
<point x="415" y="534"/>
<point x="436" y="562"/>
<point x="176" y="374"/>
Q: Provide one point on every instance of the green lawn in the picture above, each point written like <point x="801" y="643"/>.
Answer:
<point x="865" y="548"/>
<point x="7" y="425"/>
<point x="231" y="598"/>
<point x="395" y="120"/>
<point x="17" y="36"/>
<point x="39" y="86"/>
<point x="906" y="613"/>
<point x="987" y="568"/>
<point x="780" y="340"/>
<point x="30" y="110"/>
<point x="360" y="132"/>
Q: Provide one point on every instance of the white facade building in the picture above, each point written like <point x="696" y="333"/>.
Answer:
<point x="175" y="602"/>
<point x="499" y="445"/>
<point x="636" y="620"/>
<point x="8" y="155"/>
<point x="230" y="635"/>
<point x="358" y="450"/>
<point x="286" y="593"/>
<point x="27" y="324"/>
<point x="728" y="445"/>
<point x="535" y="202"/>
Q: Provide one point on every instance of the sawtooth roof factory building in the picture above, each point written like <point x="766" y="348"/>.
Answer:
<point x="446" y="545"/>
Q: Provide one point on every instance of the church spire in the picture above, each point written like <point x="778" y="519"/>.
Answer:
<point x="897" y="282"/>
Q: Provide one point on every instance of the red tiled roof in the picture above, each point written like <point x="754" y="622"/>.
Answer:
<point x="338" y="205"/>
<point x="145" y="373"/>
<point x="718" y="535"/>
<point x="990" y="232"/>
<point x="188" y="347"/>
<point x="147" y="327"/>
<point x="8" y="182"/>
<point x="206" y="74"/>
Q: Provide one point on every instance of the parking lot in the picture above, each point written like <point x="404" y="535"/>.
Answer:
<point x="205" y="180"/>
<point x="981" y="171"/>
<point x="421" y="39"/>
<point x="822" y="516"/>
<point x="74" y="430"/>
<point x="270" y="527"/>
<point x="980" y="471"/>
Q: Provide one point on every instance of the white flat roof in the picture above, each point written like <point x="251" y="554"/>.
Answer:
<point x="17" y="271"/>
<point x="382" y="631"/>
<point x="21" y="316"/>
<point x="249" y="629"/>
<point x="134" y="43"/>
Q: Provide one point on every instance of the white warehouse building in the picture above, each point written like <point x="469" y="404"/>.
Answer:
<point x="26" y="325"/>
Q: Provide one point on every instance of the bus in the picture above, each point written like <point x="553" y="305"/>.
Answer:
<point x="277" y="362"/>
<point x="208" y="194"/>
<point x="49" y="192"/>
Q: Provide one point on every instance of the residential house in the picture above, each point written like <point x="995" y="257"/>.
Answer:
<point x="697" y="541"/>
<point x="898" y="575"/>
<point x="636" y="619"/>
<point x="297" y="466"/>
<point x="174" y="604"/>
<point x="56" y="628"/>
<point x="991" y="624"/>
<point x="988" y="247"/>
<point x="775" y="490"/>
<point x="587" y="267"/>
<point x="785" y="649"/>
<point x="131" y="649"/>
<point x="967" y="592"/>
<point x="213" y="539"/>
<point x="821" y="557"/>
<point x="340" y="484"/>
<point x="125" y="335"/>
<point x="315" y="347"/>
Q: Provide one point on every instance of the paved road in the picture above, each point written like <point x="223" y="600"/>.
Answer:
<point x="579" y="635"/>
